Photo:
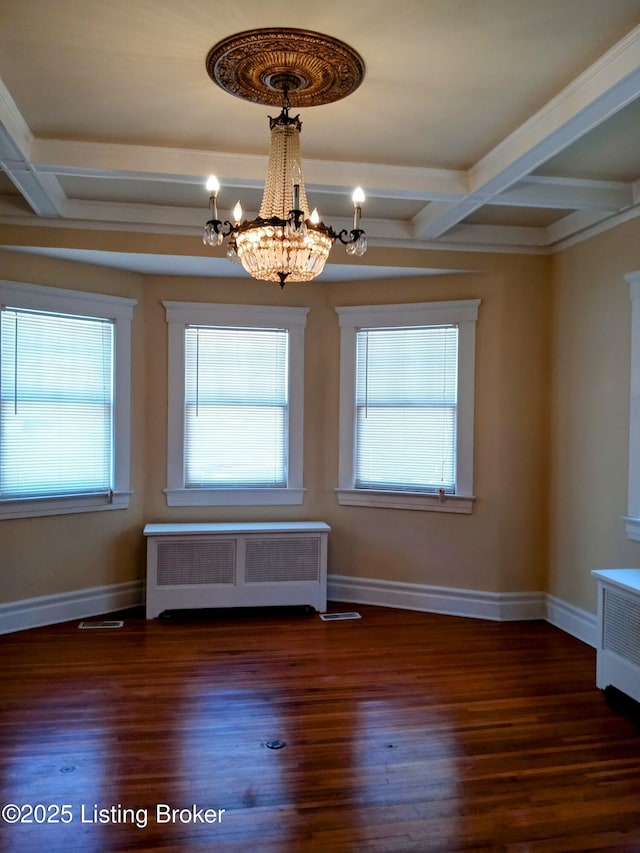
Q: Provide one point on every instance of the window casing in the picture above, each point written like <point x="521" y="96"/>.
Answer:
<point x="632" y="519"/>
<point x="65" y="365"/>
<point x="406" y="430"/>
<point x="235" y="404"/>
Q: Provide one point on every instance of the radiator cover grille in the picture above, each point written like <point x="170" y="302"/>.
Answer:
<point x="621" y="629"/>
<point x="276" y="559"/>
<point x="205" y="562"/>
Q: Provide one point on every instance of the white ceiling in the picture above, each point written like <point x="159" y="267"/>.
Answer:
<point x="485" y="124"/>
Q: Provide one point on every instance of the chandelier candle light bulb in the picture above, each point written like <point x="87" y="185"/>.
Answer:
<point x="358" y="200"/>
<point x="213" y="186"/>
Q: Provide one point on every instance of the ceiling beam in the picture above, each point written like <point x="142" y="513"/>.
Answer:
<point x="607" y="86"/>
<point x="43" y="192"/>
<point x="15" y="136"/>
<point x="566" y="194"/>
<point x="96" y="159"/>
<point x="572" y="224"/>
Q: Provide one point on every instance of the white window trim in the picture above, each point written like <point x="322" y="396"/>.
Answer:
<point x="632" y="519"/>
<point x="80" y="304"/>
<point x="179" y="316"/>
<point x="464" y="313"/>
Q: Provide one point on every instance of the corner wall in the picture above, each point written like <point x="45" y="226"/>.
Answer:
<point x="591" y="325"/>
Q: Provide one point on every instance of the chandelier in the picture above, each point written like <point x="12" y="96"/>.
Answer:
<point x="285" y="242"/>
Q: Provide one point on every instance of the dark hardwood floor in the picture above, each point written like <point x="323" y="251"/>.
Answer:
<point x="403" y="731"/>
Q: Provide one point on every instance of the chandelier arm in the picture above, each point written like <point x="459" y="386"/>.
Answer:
<point x="345" y="236"/>
<point x="225" y="228"/>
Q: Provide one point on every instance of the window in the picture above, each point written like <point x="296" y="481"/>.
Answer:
<point x="406" y="405"/>
<point x="235" y="404"/>
<point x="64" y="401"/>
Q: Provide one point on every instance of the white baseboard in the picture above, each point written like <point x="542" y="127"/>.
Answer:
<point x="573" y="620"/>
<point x="500" y="606"/>
<point x="450" y="601"/>
<point x="51" y="609"/>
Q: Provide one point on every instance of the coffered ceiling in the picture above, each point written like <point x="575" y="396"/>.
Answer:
<point x="509" y="125"/>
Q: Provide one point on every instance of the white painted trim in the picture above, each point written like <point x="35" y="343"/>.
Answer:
<point x="113" y="308"/>
<point x="351" y="318"/>
<point x="65" y="606"/>
<point x="64" y="504"/>
<point x="603" y="89"/>
<point x="448" y="601"/>
<point x="18" y="294"/>
<point x="609" y="84"/>
<point x="497" y="606"/>
<point x="566" y="232"/>
<point x="17" y="131"/>
<point x="224" y="314"/>
<point x="441" y="245"/>
<point x="567" y="194"/>
<point x="632" y="527"/>
<point x="451" y="601"/>
<point x="144" y="162"/>
<point x="405" y="500"/>
<point x="205" y="528"/>
<point x="408" y="314"/>
<point x="572" y="620"/>
<point x="234" y="497"/>
<point x="589" y="231"/>
<point x="181" y="314"/>
<point x="42" y="192"/>
<point x="574" y="223"/>
<point x="633" y="493"/>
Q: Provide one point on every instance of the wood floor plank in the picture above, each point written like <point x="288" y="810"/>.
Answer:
<point x="403" y="732"/>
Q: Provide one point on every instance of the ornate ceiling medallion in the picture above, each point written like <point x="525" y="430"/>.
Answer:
<point x="258" y="65"/>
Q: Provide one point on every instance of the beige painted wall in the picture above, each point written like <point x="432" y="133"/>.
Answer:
<point x="591" y="324"/>
<point x="43" y="556"/>
<point x="568" y="465"/>
<point x="502" y="546"/>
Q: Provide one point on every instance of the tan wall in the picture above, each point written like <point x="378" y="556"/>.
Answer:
<point x="570" y="466"/>
<point x="590" y="412"/>
<point x="43" y="556"/>
<point x="502" y="546"/>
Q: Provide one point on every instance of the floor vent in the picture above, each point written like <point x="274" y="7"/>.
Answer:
<point x="337" y="617"/>
<point x="114" y="623"/>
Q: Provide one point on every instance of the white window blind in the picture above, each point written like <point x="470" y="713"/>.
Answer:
<point x="406" y="409"/>
<point x="236" y="407"/>
<point x="56" y="404"/>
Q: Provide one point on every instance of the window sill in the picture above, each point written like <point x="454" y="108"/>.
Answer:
<point x="632" y="527"/>
<point x="234" y="497"/>
<point x="31" y="508"/>
<point x="406" y="500"/>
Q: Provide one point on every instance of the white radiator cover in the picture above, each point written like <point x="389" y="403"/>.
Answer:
<point x="236" y="565"/>
<point x="618" y="649"/>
